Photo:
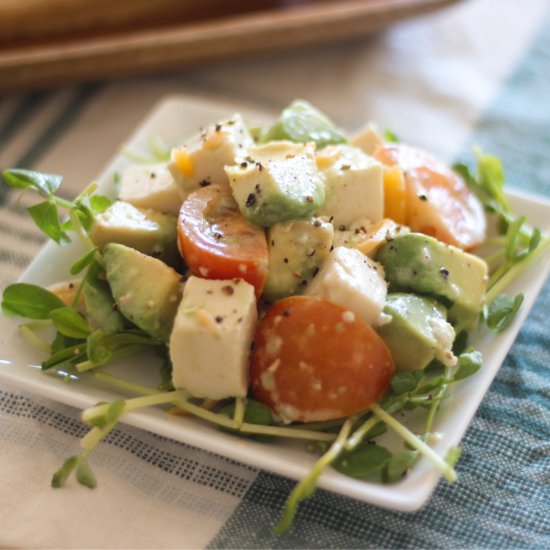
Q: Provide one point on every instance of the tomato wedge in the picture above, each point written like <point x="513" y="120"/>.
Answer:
<point x="438" y="201"/>
<point x="314" y="360"/>
<point x="218" y="242"/>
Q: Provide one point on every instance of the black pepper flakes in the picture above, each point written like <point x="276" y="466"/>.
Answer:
<point x="341" y="227"/>
<point x="205" y="182"/>
<point x="286" y="313"/>
<point x="285" y="260"/>
<point x="218" y="127"/>
<point x="423" y="197"/>
<point x="317" y="223"/>
<point x="218" y="319"/>
<point x="250" y="200"/>
<point x="259" y="166"/>
<point x="244" y="164"/>
<point x="315" y="271"/>
<point x="309" y="198"/>
<point x="444" y="273"/>
<point x="114" y="307"/>
<point x="345" y="167"/>
<point x="228" y="290"/>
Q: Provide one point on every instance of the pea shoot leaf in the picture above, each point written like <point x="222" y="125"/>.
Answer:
<point x="405" y="381"/>
<point x="363" y="462"/>
<point x="84" y="474"/>
<point x="398" y="465"/>
<point x="468" y="363"/>
<point x="30" y="301"/>
<point x="502" y="310"/>
<point x="46" y="217"/>
<point x="83" y="262"/>
<point x="70" y="323"/>
<point x="45" y="184"/>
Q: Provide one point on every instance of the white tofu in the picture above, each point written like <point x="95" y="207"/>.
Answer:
<point x="354" y="185"/>
<point x="367" y="139"/>
<point x="354" y="281"/>
<point x="200" y="162"/>
<point x="211" y="338"/>
<point x="150" y="186"/>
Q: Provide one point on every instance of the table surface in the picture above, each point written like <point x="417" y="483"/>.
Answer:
<point x="476" y="73"/>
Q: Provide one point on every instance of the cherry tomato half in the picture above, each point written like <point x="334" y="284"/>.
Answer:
<point x="438" y="201"/>
<point x="314" y="360"/>
<point x="218" y="242"/>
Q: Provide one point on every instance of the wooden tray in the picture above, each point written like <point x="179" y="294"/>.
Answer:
<point x="51" y="42"/>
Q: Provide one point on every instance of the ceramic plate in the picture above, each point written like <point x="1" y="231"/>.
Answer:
<point x="173" y="120"/>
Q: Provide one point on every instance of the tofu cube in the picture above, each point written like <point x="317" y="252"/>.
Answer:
<point x="367" y="139"/>
<point x="201" y="161"/>
<point x="354" y="185"/>
<point x="354" y="281"/>
<point x="150" y="186"/>
<point x="211" y="338"/>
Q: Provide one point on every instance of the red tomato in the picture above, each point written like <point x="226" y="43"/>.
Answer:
<point x="439" y="202"/>
<point x="218" y="242"/>
<point x="314" y="360"/>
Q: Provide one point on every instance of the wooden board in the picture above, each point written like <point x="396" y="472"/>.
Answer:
<point x="63" y="46"/>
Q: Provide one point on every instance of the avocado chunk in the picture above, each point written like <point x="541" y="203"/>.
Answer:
<point x="101" y="310"/>
<point x="296" y="251"/>
<point x="150" y="232"/>
<point x="146" y="290"/>
<point x="278" y="182"/>
<point x="418" y="263"/>
<point x="301" y="122"/>
<point x="418" y="331"/>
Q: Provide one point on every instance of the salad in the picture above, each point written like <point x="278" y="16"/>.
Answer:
<point x="296" y="282"/>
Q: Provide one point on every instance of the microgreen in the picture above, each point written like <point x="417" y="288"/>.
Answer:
<point x="30" y="301"/>
<point x="502" y="310"/>
<point x="390" y="136"/>
<point x="519" y="246"/>
<point x="46" y="214"/>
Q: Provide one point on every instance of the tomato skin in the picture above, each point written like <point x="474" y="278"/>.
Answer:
<point x="314" y="361"/>
<point x="218" y="242"/>
<point x="438" y="201"/>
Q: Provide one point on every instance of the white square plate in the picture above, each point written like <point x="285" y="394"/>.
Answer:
<point x="173" y="120"/>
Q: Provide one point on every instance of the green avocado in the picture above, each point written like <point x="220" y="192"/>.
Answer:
<point x="418" y="331"/>
<point x="148" y="231"/>
<point x="146" y="290"/>
<point x="278" y="182"/>
<point x="101" y="310"/>
<point x="301" y="122"/>
<point x="418" y="263"/>
<point x="296" y="251"/>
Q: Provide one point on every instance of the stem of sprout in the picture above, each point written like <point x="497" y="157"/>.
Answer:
<point x="124" y="384"/>
<point x="134" y="403"/>
<point x="361" y="432"/>
<point x="445" y="469"/>
<point x="498" y="286"/>
<point x="238" y="416"/>
<point x="306" y="486"/>
<point x="436" y="401"/>
<point x="34" y="339"/>
<point x="281" y="431"/>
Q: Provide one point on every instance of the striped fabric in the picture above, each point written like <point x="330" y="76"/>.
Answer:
<point x="478" y="73"/>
